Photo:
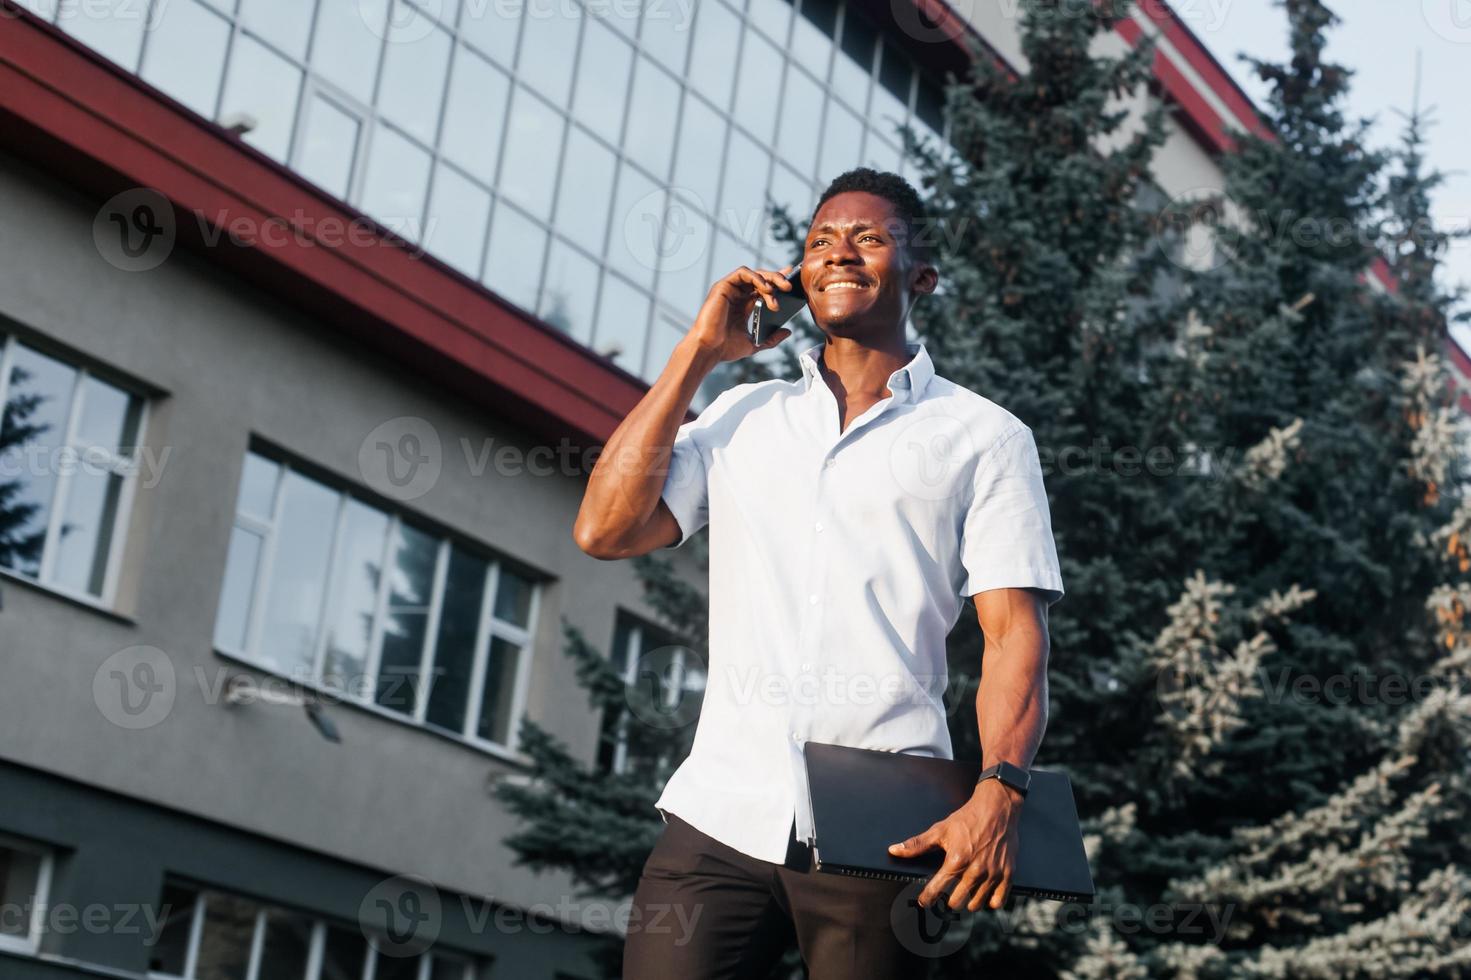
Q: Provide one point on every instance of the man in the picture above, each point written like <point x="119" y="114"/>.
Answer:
<point x="850" y="512"/>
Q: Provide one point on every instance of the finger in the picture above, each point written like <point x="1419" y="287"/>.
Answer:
<point x="974" y="874"/>
<point x="917" y="844"/>
<point x="1000" y="895"/>
<point x="762" y="285"/>
<point x="988" y="888"/>
<point x="935" y="887"/>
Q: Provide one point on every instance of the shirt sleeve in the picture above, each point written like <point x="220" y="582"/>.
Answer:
<point x="687" y="484"/>
<point x="1006" y="536"/>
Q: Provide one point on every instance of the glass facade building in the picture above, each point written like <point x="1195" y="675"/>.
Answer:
<point x="597" y="164"/>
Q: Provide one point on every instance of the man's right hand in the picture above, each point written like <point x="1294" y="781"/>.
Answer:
<point x="721" y="324"/>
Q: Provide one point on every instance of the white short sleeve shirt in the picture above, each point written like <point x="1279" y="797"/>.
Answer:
<point x="838" y="565"/>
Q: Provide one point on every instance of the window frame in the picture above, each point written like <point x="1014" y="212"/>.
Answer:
<point x="30" y="944"/>
<point x="95" y="456"/>
<point x="634" y="652"/>
<point x="362" y="693"/>
<point x="316" y="945"/>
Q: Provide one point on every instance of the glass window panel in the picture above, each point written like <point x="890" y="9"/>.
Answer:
<point x="112" y="28"/>
<point x="791" y="190"/>
<point x="32" y="434"/>
<point x="445" y="11"/>
<point x="891" y="96"/>
<point x="329" y="145"/>
<point x="602" y="81"/>
<point x="109" y="418"/>
<point x="714" y="53"/>
<point x="349" y="43"/>
<point x="458" y="212"/>
<point x="357" y="567"/>
<point x="414" y="67"/>
<point x="534" y="140"/>
<point x="853" y="66"/>
<point x="667" y="333"/>
<point x="881" y="154"/>
<point x="513" y="264"/>
<point x="186" y="52"/>
<point x="454" y="646"/>
<point x="758" y="89"/>
<point x="224" y="945"/>
<point x="396" y="967"/>
<point x="743" y="197"/>
<point x="772" y="16"/>
<point x="394" y="186"/>
<point x="169" y="948"/>
<point x="284" y="23"/>
<point x="284" y="946"/>
<point x="801" y="109"/>
<point x="682" y="285"/>
<point x="653" y="105"/>
<point x="548" y="46"/>
<point x="570" y="292"/>
<point x="587" y="189"/>
<point x="303" y="542"/>
<point x="513" y="598"/>
<point x="475" y="114"/>
<point x="701" y="151"/>
<point x="842" y="142"/>
<point x="85" y="537"/>
<point x="929" y="105"/>
<point x="499" y="691"/>
<point x="812" y="35"/>
<point x="492" y="28"/>
<point x="636" y="195"/>
<point x="258" y="487"/>
<point x="20" y="876"/>
<point x="233" y="617"/>
<point x="665" y="33"/>
<point x="410" y="590"/>
<point x="622" y="334"/>
<point x="45" y="9"/>
<point x="343" y="954"/>
<point x="447" y="968"/>
<point x="268" y="88"/>
<point x="729" y="255"/>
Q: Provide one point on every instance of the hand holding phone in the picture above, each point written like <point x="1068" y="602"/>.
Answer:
<point x="763" y="322"/>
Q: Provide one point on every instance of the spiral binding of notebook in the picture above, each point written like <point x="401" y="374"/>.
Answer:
<point x="889" y="876"/>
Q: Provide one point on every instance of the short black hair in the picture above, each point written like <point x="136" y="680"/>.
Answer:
<point x="897" y="191"/>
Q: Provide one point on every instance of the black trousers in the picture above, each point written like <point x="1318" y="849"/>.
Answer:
<point x="705" y="911"/>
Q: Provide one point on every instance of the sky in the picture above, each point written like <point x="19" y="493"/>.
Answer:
<point x="1379" y="41"/>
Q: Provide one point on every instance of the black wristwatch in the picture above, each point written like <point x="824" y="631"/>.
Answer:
<point x="1014" y="776"/>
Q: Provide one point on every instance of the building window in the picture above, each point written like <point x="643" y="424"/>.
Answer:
<point x="25" y="881"/>
<point x="206" y="934"/>
<point x="665" y="681"/>
<point x="337" y="593"/>
<point x="68" y="465"/>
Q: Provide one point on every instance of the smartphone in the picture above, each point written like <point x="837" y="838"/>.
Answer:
<point x="763" y="322"/>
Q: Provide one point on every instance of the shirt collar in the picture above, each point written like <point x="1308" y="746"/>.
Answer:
<point x="907" y="383"/>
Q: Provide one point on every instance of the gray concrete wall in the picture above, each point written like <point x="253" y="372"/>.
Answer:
<point x="230" y="363"/>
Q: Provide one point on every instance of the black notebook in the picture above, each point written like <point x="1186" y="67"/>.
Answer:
<point x="863" y="800"/>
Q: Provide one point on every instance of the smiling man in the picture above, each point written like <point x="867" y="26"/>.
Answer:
<point x="851" y="512"/>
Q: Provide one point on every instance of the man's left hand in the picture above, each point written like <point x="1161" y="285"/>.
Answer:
<point x="980" y="844"/>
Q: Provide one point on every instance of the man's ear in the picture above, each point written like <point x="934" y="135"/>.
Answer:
<point x="926" y="278"/>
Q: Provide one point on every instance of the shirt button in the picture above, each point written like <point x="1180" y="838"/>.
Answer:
<point x="817" y="526"/>
<point x="812" y="599"/>
<point x="796" y="738"/>
<point x="806" y="666"/>
<point x="828" y="463"/>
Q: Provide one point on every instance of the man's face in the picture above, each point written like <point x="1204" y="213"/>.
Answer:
<point x="857" y="269"/>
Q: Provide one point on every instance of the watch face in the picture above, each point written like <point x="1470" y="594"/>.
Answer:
<point x="1014" y="776"/>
